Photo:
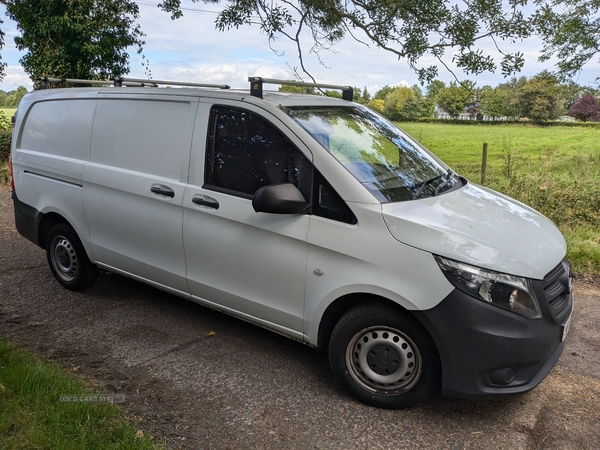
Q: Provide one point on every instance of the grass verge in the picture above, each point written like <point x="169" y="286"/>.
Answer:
<point x="31" y="415"/>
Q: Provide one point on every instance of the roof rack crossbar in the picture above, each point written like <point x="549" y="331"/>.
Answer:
<point x="156" y="83"/>
<point x="256" y="86"/>
<point x="131" y="82"/>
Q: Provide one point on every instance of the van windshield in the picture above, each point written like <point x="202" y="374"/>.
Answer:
<point x="378" y="154"/>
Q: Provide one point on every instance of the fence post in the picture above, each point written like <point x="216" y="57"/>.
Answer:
<point x="484" y="163"/>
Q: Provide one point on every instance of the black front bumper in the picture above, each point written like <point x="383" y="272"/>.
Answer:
<point x="485" y="350"/>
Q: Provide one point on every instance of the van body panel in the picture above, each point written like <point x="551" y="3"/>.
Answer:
<point x="276" y="327"/>
<point x="51" y="145"/>
<point x="365" y="259"/>
<point x="59" y="132"/>
<point x="133" y="229"/>
<point x="46" y="195"/>
<point x="481" y="227"/>
<point x="254" y="263"/>
<point x="149" y="281"/>
<point x="50" y="166"/>
<point x="140" y="148"/>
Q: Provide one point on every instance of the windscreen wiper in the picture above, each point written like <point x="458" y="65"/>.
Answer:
<point x="451" y="176"/>
<point x="431" y="180"/>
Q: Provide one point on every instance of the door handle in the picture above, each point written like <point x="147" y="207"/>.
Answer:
<point x="211" y="203"/>
<point x="162" y="190"/>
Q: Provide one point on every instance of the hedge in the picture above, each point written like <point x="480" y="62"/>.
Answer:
<point x="5" y="139"/>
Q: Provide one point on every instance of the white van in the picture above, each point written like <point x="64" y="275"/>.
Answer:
<point x="311" y="216"/>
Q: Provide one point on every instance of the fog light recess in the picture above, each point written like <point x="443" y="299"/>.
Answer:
<point x="503" y="377"/>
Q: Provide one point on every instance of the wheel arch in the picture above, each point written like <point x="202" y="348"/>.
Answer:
<point x="47" y="222"/>
<point x="338" y="308"/>
<point x="66" y="255"/>
<point x="50" y="219"/>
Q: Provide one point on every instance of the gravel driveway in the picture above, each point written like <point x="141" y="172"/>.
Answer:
<point x="201" y="379"/>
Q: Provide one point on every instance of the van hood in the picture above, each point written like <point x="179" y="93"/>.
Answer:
<point x="481" y="227"/>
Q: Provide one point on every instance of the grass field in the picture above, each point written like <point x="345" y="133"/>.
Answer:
<point x="556" y="170"/>
<point x="8" y="112"/>
<point x="32" y="416"/>
<point x="463" y="143"/>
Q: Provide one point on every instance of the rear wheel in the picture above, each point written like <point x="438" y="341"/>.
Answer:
<point x="383" y="357"/>
<point x="68" y="260"/>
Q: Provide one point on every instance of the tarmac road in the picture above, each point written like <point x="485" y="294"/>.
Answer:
<point x="200" y="379"/>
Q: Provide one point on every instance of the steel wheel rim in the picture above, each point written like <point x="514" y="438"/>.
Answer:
<point x="63" y="258"/>
<point x="383" y="360"/>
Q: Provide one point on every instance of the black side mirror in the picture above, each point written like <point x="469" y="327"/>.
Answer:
<point x="279" y="199"/>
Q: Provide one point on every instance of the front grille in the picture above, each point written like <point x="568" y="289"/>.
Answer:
<point x="556" y="291"/>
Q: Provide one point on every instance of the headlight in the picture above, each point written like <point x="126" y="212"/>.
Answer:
<point x="505" y="291"/>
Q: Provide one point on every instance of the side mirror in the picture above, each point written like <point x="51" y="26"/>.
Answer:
<point x="279" y="199"/>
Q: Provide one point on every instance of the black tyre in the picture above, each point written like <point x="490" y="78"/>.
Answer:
<point x="384" y="357"/>
<point x="68" y="260"/>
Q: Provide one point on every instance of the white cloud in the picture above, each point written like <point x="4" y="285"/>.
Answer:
<point x="15" y="77"/>
<point x="235" y="74"/>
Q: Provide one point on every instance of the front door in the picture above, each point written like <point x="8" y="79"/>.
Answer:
<point x="251" y="264"/>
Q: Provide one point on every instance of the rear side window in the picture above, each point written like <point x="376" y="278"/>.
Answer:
<point x="145" y="136"/>
<point x="59" y="127"/>
<point x="245" y="153"/>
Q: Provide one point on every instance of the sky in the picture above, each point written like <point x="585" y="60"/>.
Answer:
<point x="190" y="49"/>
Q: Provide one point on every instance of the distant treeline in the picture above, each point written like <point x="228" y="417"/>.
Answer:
<point x="11" y="99"/>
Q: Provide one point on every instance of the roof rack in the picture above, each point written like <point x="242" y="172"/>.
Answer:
<point x="256" y="86"/>
<point x="131" y="82"/>
<point x="156" y="83"/>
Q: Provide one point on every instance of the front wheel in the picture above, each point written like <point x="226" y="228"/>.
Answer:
<point x="383" y="357"/>
<point x="68" y="260"/>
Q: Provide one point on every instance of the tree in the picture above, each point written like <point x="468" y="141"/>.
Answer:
<point x="539" y="98"/>
<point x="492" y="102"/>
<point x="474" y="99"/>
<point x="414" y="30"/>
<point x="411" y="30"/>
<point x="378" y="105"/>
<point x="430" y="100"/>
<point x="365" y="98"/>
<point x="454" y="99"/>
<point x="297" y="89"/>
<point x="382" y="93"/>
<point x="586" y="109"/>
<point x="85" y="39"/>
<point x="570" y="92"/>
<point x="2" y="64"/>
<point x="402" y="104"/>
<point x="14" y="97"/>
<point x="513" y="106"/>
<point x="570" y="30"/>
<point x="434" y="88"/>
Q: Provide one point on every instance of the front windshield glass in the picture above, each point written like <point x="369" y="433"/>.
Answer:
<point x="375" y="152"/>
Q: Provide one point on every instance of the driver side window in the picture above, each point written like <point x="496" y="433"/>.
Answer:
<point x="245" y="153"/>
